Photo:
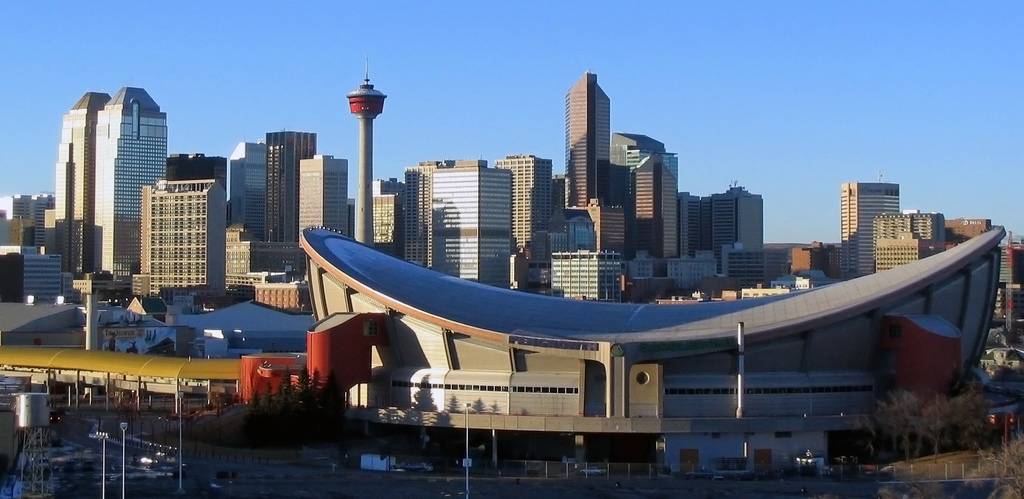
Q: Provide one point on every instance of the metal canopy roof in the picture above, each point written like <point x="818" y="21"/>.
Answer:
<point x="120" y="363"/>
<point x="409" y="288"/>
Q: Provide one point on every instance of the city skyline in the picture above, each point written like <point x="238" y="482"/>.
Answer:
<point x="791" y="119"/>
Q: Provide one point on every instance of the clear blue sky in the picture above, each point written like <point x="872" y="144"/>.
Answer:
<point x="788" y="98"/>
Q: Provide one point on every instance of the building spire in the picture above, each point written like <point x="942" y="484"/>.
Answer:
<point x="366" y="69"/>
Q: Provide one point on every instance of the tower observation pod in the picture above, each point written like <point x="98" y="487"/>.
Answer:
<point x="365" y="103"/>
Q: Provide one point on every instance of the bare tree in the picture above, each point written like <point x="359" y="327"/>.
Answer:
<point x="968" y="411"/>
<point x="897" y="417"/>
<point x="1010" y="460"/>
<point x="935" y="421"/>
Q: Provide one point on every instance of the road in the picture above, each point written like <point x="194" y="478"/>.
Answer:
<point x="319" y="480"/>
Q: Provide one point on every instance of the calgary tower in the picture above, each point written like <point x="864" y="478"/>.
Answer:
<point x="365" y="103"/>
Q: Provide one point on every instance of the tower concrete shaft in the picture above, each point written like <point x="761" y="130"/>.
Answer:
<point x="364" y="194"/>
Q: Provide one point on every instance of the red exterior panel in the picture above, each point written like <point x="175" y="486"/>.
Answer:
<point x="264" y="373"/>
<point x="344" y="350"/>
<point x="927" y="357"/>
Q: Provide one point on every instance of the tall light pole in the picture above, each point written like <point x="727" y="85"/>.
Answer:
<point x="124" y="467"/>
<point x="466" y="462"/>
<point x="366" y="104"/>
<point x="181" y="489"/>
<point x="102" y="437"/>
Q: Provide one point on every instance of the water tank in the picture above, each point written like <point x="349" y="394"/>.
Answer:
<point x="32" y="411"/>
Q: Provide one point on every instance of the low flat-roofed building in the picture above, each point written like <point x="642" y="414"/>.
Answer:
<point x="290" y="296"/>
<point x="42" y="324"/>
<point x="247" y="327"/>
<point x="747" y="293"/>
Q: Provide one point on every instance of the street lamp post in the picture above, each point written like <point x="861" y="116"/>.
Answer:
<point x="466" y="462"/>
<point x="124" y="467"/>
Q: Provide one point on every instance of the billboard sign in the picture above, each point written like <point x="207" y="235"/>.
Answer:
<point x="142" y="340"/>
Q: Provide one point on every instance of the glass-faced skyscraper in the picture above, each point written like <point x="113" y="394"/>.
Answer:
<point x="472" y="212"/>
<point x="74" y="203"/>
<point x="651" y="220"/>
<point x="284" y="151"/>
<point x="587" y="136"/>
<point x="131" y="152"/>
<point x="248" y="192"/>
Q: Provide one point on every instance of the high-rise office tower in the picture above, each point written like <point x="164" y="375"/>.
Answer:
<point x="284" y="151"/>
<point x="183" y="234"/>
<point x="323" y="188"/>
<point x="25" y="272"/>
<point x="557" y="192"/>
<point x="688" y="216"/>
<point x="609" y="226"/>
<point x="653" y="222"/>
<point x="927" y="226"/>
<point x="248" y="192"/>
<point x="32" y="209"/>
<point x="587" y="275"/>
<point x="531" y="195"/>
<point x="75" y="187"/>
<point x="860" y="203"/>
<point x="647" y="229"/>
<point x="628" y="150"/>
<point x="736" y="216"/>
<point x="366" y="104"/>
<point x="389" y="216"/>
<point x="388" y="220"/>
<point x="389" y="186"/>
<point x="131" y="153"/>
<point x="472" y="211"/>
<point x="419" y="222"/>
<point x="197" y="167"/>
<point x="587" y="135"/>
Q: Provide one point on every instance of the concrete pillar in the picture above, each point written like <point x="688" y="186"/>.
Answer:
<point x="494" y="447"/>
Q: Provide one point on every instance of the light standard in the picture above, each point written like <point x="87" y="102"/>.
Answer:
<point x="181" y="490"/>
<point x="466" y="462"/>
<point x="124" y="467"/>
<point x="102" y="436"/>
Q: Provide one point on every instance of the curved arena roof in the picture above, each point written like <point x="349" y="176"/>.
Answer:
<point x="414" y="290"/>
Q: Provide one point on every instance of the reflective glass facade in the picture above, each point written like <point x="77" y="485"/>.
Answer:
<point x="284" y="151"/>
<point x="248" y="192"/>
<point x="75" y="194"/>
<point x="131" y="152"/>
<point x="472" y="211"/>
<point x="587" y="142"/>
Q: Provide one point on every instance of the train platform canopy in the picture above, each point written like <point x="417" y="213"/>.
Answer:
<point x="152" y="366"/>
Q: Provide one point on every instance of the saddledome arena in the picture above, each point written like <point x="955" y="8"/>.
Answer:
<point x="685" y="386"/>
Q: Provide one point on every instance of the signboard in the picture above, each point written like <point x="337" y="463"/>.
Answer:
<point x="142" y="340"/>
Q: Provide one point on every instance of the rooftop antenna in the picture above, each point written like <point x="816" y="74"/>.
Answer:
<point x="881" y="175"/>
<point x="366" y="69"/>
<point x="734" y="183"/>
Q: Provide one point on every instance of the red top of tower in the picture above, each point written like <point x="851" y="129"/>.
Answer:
<point x="365" y="101"/>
